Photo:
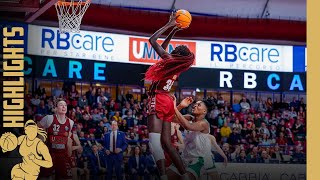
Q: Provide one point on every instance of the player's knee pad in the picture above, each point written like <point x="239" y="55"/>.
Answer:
<point x="155" y="146"/>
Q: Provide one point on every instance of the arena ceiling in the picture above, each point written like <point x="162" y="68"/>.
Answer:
<point x="283" y="21"/>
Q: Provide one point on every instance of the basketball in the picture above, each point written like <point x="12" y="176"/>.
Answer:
<point x="184" y="19"/>
<point x="8" y="142"/>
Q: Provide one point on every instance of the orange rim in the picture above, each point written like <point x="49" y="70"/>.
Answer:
<point x="63" y="3"/>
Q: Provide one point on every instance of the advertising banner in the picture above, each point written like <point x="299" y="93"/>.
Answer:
<point x="243" y="80"/>
<point x="102" y="46"/>
<point x="83" y="71"/>
<point x="248" y="171"/>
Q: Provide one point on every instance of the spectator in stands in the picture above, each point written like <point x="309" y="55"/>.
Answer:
<point x="245" y="132"/>
<point x="298" y="128"/>
<point x="92" y="140"/>
<point x="141" y="120"/>
<point x="42" y="109"/>
<point x="237" y="126"/>
<point x="128" y="152"/>
<point x="225" y="132"/>
<point x="90" y="95"/>
<point x="262" y="106"/>
<point x="269" y="105"/>
<point x="245" y="104"/>
<point x="83" y="101"/>
<point x="265" y="157"/>
<point x="96" y="117"/>
<point x="117" y="117"/>
<point x="127" y="108"/>
<point x="137" y="164"/>
<point x="129" y="119"/>
<point x="121" y="97"/>
<point x="273" y="120"/>
<point x="97" y="162"/>
<point x="82" y="164"/>
<point x="106" y="123"/>
<point x="236" y="106"/>
<point x="229" y="123"/>
<point x="298" y="156"/>
<point x="276" y="154"/>
<point x="254" y="104"/>
<point x="292" y="113"/>
<point x="264" y="141"/>
<point x="301" y="113"/>
<point x="242" y="158"/>
<point x="302" y="104"/>
<point x="86" y="115"/>
<point x="294" y="103"/>
<point x="29" y="115"/>
<point x="281" y="140"/>
<point x="112" y="106"/>
<point x="35" y="101"/>
<point x="101" y="97"/>
<point x="98" y="92"/>
<point x="136" y="107"/>
<point x="73" y="116"/>
<point x="220" y="102"/>
<point x="105" y="114"/>
<point x="45" y="98"/>
<point x="51" y="108"/>
<point x="273" y="132"/>
<point x="129" y="96"/>
<point x="56" y="92"/>
<point x="82" y="136"/>
<point x="235" y="137"/>
<point x="276" y="105"/>
<point x="115" y="144"/>
<point x="253" y="138"/>
<point x="123" y="126"/>
<point x="221" y="120"/>
<point x="73" y="93"/>
<point x="99" y="130"/>
<point x="226" y="150"/>
<point x="264" y="130"/>
<point x="107" y="94"/>
<point x="253" y="156"/>
<point x="235" y="153"/>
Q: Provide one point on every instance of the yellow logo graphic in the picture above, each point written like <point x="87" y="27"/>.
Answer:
<point x="34" y="152"/>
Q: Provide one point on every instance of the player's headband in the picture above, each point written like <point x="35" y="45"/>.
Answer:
<point x="30" y="123"/>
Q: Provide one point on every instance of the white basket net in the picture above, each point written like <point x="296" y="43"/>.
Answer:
<point x="70" y="14"/>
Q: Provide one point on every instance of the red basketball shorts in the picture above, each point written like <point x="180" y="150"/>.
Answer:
<point x="61" y="166"/>
<point x="161" y="104"/>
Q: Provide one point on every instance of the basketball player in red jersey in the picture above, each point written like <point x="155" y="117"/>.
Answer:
<point x="59" y="127"/>
<point x="161" y="110"/>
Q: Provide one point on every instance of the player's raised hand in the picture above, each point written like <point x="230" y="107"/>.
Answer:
<point x="172" y="19"/>
<point x="186" y="102"/>
<point x="179" y="28"/>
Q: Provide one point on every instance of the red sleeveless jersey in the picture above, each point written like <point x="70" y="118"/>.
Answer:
<point x="163" y="86"/>
<point x="58" y="135"/>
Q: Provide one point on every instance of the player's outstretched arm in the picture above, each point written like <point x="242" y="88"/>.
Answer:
<point x="165" y="43"/>
<point x="153" y="39"/>
<point x="78" y="144"/>
<point x="185" y="103"/>
<point x="217" y="147"/>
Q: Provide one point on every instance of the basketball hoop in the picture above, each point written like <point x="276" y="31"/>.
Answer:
<point x="70" y="14"/>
